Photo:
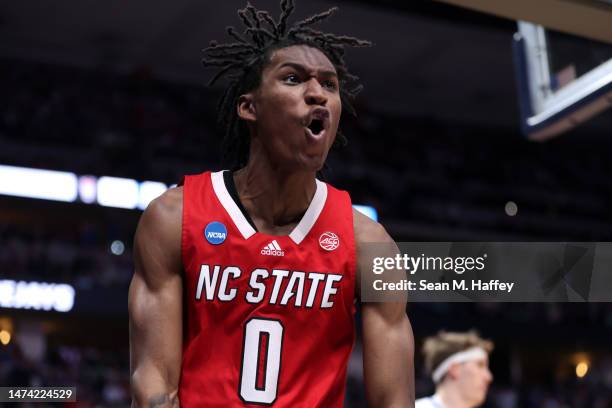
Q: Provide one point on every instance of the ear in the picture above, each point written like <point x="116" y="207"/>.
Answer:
<point x="453" y="371"/>
<point x="246" y="108"/>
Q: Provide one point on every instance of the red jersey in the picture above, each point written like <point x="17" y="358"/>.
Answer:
<point x="269" y="320"/>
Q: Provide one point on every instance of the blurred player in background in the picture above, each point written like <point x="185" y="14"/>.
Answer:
<point x="245" y="280"/>
<point x="459" y="366"/>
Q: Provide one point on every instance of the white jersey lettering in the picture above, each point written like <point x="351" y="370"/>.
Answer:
<point x="330" y="290"/>
<point x="223" y="294"/>
<point x="300" y="288"/>
<point x="207" y="281"/>
<point x="315" y="278"/>
<point x="220" y="284"/>
<point x="280" y="274"/>
<point x="258" y="286"/>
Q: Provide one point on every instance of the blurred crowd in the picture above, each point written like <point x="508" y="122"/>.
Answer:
<point x="102" y="381"/>
<point x="79" y="257"/>
<point x="100" y="376"/>
<point x="415" y="170"/>
<point x="429" y="180"/>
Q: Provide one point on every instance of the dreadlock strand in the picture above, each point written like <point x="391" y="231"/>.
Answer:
<point x="223" y="71"/>
<point x="265" y="16"/>
<point x="253" y="11"/>
<point x="316" y="18"/>
<point x="232" y="32"/>
<point x="352" y="77"/>
<point x="235" y="55"/>
<point x="261" y="32"/>
<point x="227" y="96"/>
<point x="218" y="62"/>
<point x="231" y="47"/>
<point x="287" y="7"/>
<point x="257" y="33"/>
<point x="308" y="32"/>
<point x="252" y="26"/>
<point x="336" y="55"/>
<point x="338" y="48"/>
<point x="230" y="53"/>
<point x="242" y="13"/>
<point x="228" y="48"/>
<point x="350" y="41"/>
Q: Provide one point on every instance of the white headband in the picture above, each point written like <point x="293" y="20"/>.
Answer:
<point x="470" y="354"/>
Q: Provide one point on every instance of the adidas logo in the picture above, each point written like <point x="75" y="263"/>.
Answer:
<point x="273" y="249"/>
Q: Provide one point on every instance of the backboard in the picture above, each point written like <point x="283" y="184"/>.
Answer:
<point x="563" y="80"/>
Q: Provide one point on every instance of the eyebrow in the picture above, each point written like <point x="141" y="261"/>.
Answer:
<point x="302" y="68"/>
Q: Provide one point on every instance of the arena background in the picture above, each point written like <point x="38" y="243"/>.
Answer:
<point x="116" y="89"/>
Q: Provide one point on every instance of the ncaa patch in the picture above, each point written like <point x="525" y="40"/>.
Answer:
<point x="215" y="233"/>
<point x="329" y="241"/>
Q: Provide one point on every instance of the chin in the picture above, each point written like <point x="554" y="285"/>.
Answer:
<point x="311" y="163"/>
<point x="317" y="165"/>
<point x="481" y="399"/>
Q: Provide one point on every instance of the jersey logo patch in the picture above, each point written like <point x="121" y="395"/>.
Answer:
<point x="215" y="233"/>
<point x="273" y="249"/>
<point x="329" y="241"/>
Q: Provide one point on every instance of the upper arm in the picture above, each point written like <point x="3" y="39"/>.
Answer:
<point x="388" y="343"/>
<point x="155" y="300"/>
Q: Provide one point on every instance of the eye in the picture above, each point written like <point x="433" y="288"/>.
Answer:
<point x="329" y="84"/>
<point x="291" y="79"/>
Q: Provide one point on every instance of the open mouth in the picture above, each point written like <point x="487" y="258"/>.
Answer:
<point x="318" y="121"/>
<point x="316" y="126"/>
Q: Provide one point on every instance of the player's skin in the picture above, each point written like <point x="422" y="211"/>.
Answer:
<point x="275" y="187"/>
<point x="466" y="384"/>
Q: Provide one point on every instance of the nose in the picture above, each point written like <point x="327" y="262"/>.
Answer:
<point x="315" y="94"/>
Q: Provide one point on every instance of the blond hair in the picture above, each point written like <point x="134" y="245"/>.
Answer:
<point x="438" y="348"/>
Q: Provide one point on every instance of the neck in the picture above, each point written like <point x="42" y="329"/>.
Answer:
<point x="275" y="199"/>
<point x="451" y="396"/>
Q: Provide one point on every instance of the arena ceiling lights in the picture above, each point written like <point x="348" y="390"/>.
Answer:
<point x="68" y="187"/>
<point x="115" y="192"/>
<point x="40" y="184"/>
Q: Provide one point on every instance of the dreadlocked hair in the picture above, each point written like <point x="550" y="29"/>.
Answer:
<point x="243" y="61"/>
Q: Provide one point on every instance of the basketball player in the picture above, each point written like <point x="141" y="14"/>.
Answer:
<point x="245" y="280"/>
<point x="459" y="363"/>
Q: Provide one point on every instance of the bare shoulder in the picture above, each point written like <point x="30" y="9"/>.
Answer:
<point x="367" y="230"/>
<point x="157" y="244"/>
<point x="166" y="209"/>
<point x="371" y="240"/>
